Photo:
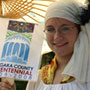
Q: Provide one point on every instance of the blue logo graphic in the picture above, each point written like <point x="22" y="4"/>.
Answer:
<point x="16" y="49"/>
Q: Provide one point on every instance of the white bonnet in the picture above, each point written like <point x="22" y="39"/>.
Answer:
<point x="67" y="9"/>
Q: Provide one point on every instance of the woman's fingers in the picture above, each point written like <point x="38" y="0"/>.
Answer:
<point x="3" y="88"/>
<point x="5" y="85"/>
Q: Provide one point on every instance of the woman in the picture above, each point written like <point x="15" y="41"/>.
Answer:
<point x="67" y="35"/>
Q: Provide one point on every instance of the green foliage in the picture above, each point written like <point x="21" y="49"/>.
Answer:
<point x="21" y="85"/>
<point x="11" y="33"/>
<point x="47" y="58"/>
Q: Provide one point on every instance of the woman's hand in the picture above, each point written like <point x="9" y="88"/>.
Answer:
<point x="5" y="85"/>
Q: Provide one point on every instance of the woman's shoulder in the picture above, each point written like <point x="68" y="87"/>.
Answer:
<point x="88" y="86"/>
<point x="34" y="84"/>
<point x="39" y="85"/>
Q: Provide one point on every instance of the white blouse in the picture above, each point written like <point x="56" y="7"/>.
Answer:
<point x="39" y="85"/>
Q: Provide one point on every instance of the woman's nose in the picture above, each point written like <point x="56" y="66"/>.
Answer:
<point x="58" y="35"/>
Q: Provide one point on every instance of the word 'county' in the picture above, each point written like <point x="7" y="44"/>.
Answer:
<point x="16" y="66"/>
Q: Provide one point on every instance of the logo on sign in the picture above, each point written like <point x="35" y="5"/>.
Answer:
<point x="16" y="49"/>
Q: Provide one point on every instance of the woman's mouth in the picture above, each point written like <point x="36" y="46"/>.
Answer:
<point x="60" y="45"/>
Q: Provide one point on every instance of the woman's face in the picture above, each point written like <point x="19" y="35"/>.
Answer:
<point x="61" y="35"/>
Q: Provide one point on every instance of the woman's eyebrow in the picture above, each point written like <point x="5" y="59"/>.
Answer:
<point x="53" y="26"/>
<point x="49" y="26"/>
<point x="64" y="25"/>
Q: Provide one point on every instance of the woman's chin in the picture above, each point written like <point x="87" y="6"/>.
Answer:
<point x="62" y="54"/>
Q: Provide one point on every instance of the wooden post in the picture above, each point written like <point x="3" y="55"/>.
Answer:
<point x="86" y="1"/>
<point x="0" y="7"/>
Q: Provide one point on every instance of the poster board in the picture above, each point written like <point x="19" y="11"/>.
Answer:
<point x="20" y="49"/>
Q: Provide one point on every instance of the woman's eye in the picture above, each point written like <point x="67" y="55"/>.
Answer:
<point x="50" y="30"/>
<point x="66" y="29"/>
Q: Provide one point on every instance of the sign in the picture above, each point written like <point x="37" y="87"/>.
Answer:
<point x="20" y="49"/>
